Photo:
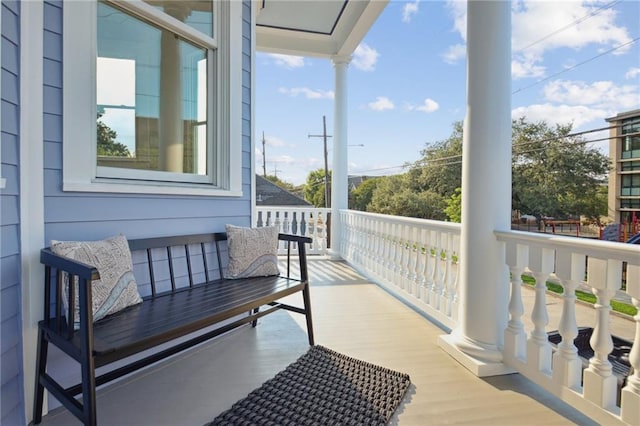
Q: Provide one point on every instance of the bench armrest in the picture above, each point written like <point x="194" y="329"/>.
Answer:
<point x="56" y="267"/>
<point x="302" y="253"/>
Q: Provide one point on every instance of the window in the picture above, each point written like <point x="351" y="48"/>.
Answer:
<point x="630" y="185"/>
<point x="152" y="97"/>
<point x="631" y="138"/>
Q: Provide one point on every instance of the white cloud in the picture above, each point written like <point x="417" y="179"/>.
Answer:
<point x="578" y="115"/>
<point x="632" y="73"/>
<point x="381" y="104"/>
<point x="521" y="68"/>
<point x="541" y="26"/>
<point x="274" y="141"/>
<point x="601" y="94"/>
<point x="408" y="10"/>
<point x="454" y="53"/>
<point x="287" y="61"/>
<point x="308" y="93"/>
<point x="428" y="106"/>
<point x="365" y="58"/>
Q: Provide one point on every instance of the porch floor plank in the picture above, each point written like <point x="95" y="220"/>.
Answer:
<point x="351" y="316"/>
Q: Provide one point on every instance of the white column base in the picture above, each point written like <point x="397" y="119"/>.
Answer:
<point x="486" y="362"/>
<point x="567" y="372"/>
<point x="539" y="356"/>
<point x="515" y="343"/>
<point x="333" y="254"/>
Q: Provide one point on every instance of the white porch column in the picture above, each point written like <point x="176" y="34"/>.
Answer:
<point x="486" y="190"/>
<point x="339" y="173"/>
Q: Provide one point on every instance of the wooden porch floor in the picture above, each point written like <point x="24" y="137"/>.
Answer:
<point x="351" y="316"/>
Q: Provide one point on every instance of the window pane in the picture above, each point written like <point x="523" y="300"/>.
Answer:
<point x="151" y="97"/>
<point x="198" y="14"/>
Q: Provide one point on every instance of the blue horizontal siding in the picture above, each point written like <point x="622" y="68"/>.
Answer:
<point x="12" y="391"/>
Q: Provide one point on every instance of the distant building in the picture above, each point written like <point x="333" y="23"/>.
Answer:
<point x="270" y="194"/>
<point x="624" y="178"/>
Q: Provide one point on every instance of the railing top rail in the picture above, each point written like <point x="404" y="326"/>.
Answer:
<point x="437" y="224"/>
<point x="293" y="208"/>
<point x="589" y="247"/>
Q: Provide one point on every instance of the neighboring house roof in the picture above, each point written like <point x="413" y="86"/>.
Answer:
<point x="270" y="194"/>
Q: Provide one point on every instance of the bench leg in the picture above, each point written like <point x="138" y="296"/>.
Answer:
<point x="255" y="322"/>
<point x="41" y="367"/>
<point x="89" y="390"/>
<point x="307" y="308"/>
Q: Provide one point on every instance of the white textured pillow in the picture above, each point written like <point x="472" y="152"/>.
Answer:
<point x="253" y="252"/>
<point x="117" y="288"/>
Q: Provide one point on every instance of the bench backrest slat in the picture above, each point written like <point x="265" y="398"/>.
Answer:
<point x="189" y="271"/>
<point x="152" y="279"/>
<point x="204" y="262"/>
<point x="171" y="273"/>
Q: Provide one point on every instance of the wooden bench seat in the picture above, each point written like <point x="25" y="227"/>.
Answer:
<point x="213" y="307"/>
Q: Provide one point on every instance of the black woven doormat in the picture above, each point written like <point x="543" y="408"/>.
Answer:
<point x="322" y="388"/>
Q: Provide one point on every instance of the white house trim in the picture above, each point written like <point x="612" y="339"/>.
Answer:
<point x="31" y="186"/>
<point x="80" y="172"/>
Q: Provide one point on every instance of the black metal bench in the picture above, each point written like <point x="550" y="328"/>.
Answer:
<point x="186" y="307"/>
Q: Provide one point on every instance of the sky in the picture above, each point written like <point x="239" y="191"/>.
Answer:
<point x="572" y="62"/>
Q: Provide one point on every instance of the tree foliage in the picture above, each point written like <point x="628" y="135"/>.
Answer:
<point x="362" y="195"/>
<point x="314" y="187"/>
<point x="454" y="206"/>
<point x="555" y="174"/>
<point x="107" y="145"/>
<point x="393" y="196"/>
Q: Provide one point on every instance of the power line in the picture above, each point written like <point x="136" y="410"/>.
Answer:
<point x="575" y="66"/>
<point x="572" y="24"/>
<point x="453" y="157"/>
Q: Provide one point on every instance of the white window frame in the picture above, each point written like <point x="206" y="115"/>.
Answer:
<point x="79" y="169"/>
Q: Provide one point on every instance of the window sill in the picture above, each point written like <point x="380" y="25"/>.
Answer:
<point x="147" y="188"/>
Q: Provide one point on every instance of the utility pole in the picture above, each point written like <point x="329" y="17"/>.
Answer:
<point x="264" y="157"/>
<point x="324" y="136"/>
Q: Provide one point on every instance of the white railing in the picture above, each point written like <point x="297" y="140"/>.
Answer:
<point x="415" y="259"/>
<point x="305" y="221"/>
<point x="573" y="261"/>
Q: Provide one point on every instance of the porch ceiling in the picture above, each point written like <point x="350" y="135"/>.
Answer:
<point x="314" y="28"/>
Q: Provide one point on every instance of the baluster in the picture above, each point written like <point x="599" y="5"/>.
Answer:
<point x="285" y="223"/>
<point x="447" y="291"/>
<point x="515" y="338"/>
<point x="419" y="280"/>
<point x="436" y="286"/>
<point x="456" y="267"/>
<point x="295" y="229"/>
<point x="268" y="222"/>
<point x="377" y="252"/>
<point x="406" y="258"/>
<point x="397" y="262"/>
<point x="600" y="385"/>
<point x="371" y="251"/>
<point x="567" y="366"/>
<point x="259" y="221"/>
<point x="388" y="264"/>
<point x="630" y="401"/>
<point x="426" y="273"/>
<point x="538" y="346"/>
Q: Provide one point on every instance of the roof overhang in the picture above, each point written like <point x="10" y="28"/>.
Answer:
<point x="321" y="28"/>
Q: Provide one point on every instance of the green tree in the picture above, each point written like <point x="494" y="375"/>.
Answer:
<point x="314" y="187"/>
<point x="440" y="168"/>
<point x="454" y="206"/>
<point x="393" y="196"/>
<point x="107" y="145"/>
<point x="555" y="174"/>
<point x="362" y="195"/>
